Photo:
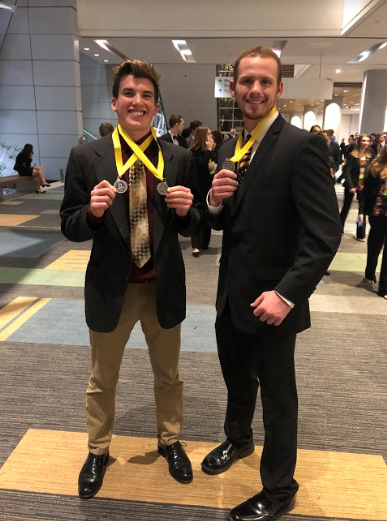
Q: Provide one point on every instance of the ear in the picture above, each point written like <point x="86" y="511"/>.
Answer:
<point x="155" y="109"/>
<point x="113" y="104"/>
<point x="232" y="88"/>
<point x="280" y="90"/>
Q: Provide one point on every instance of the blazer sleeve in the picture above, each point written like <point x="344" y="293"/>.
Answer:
<point x="76" y="200"/>
<point x="315" y="200"/>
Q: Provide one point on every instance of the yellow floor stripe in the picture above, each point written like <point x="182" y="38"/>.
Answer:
<point x="15" y="220"/>
<point x="73" y="260"/>
<point x="14" y="308"/>
<point x="7" y="332"/>
<point x="332" y="484"/>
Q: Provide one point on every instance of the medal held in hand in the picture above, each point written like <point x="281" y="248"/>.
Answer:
<point x="229" y="165"/>
<point x="162" y="188"/>
<point x="121" y="186"/>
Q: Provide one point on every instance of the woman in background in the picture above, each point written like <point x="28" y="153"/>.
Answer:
<point x="354" y="169"/>
<point x="373" y="202"/>
<point x="23" y="168"/>
<point x="204" y="154"/>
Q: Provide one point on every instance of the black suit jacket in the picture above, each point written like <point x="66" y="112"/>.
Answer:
<point x="109" y="266"/>
<point x="281" y="230"/>
<point x="167" y="137"/>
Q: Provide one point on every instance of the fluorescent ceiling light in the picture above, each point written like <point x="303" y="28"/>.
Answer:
<point x="367" y="53"/>
<point x="103" y="44"/>
<point x="86" y="48"/>
<point x="8" y="7"/>
<point x="184" y="51"/>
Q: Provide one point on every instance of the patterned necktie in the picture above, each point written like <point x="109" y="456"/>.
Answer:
<point x="244" y="162"/>
<point x="138" y="215"/>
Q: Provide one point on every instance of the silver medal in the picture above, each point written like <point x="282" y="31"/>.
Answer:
<point x="121" y="186"/>
<point x="162" y="188"/>
<point x="229" y="165"/>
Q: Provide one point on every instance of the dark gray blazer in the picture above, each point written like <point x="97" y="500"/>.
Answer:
<point x="281" y="230"/>
<point x="110" y="260"/>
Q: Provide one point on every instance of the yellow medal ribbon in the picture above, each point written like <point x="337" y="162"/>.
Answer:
<point x="239" y="151"/>
<point x="138" y="153"/>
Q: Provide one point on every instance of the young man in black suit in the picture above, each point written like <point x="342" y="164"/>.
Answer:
<point x="281" y="229"/>
<point x="176" y="127"/>
<point x="128" y="281"/>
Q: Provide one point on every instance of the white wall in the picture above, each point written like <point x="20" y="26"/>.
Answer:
<point x="188" y="90"/>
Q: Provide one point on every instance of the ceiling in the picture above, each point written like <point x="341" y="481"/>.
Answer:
<point x="318" y="38"/>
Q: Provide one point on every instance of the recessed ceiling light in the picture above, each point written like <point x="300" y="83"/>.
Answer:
<point x="338" y="70"/>
<point x="106" y="61"/>
<point x="96" y="54"/>
<point x="86" y="48"/>
<point x="345" y="91"/>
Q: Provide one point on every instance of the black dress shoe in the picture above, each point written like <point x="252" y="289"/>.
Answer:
<point x="260" y="508"/>
<point x="179" y="464"/>
<point x="91" y="475"/>
<point x="223" y="456"/>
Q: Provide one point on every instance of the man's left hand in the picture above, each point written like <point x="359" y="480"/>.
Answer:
<point x="270" y="308"/>
<point x="180" y="198"/>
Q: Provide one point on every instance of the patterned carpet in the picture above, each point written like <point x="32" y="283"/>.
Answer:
<point x="341" y="370"/>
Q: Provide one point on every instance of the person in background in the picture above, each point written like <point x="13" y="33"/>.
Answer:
<point x="315" y="129"/>
<point x="136" y="270"/>
<point x="281" y="229"/>
<point x="333" y="150"/>
<point x="23" y="168"/>
<point x="354" y="169"/>
<point x="192" y="127"/>
<point x="204" y="154"/>
<point x="218" y="140"/>
<point x="176" y="127"/>
<point x="373" y="202"/>
<point x="105" y="129"/>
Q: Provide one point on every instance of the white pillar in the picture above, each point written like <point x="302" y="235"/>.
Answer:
<point x="373" y="102"/>
<point x="310" y="116"/>
<point x="40" y="94"/>
<point x="332" y="114"/>
<point x="296" y="119"/>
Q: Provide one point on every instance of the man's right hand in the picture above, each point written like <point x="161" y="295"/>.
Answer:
<point x="224" y="185"/>
<point x="102" y="196"/>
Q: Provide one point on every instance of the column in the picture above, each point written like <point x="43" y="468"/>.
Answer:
<point x="332" y="115"/>
<point x="373" y="102"/>
<point x="310" y="116"/>
<point x="296" y="119"/>
<point x="40" y="94"/>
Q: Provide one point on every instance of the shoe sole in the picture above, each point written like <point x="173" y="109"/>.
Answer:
<point x="183" y="482"/>
<point x="214" y="472"/>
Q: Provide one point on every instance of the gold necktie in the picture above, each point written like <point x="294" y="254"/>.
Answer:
<point x="138" y="215"/>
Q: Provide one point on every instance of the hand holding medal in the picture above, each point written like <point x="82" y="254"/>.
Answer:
<point x="180" y="198"/>
<point x="102" y="196"/>
<point x="224" y="183"/>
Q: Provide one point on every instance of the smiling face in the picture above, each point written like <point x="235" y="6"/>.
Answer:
<point x="135" y="106"/>
<point x="256" y="89"/>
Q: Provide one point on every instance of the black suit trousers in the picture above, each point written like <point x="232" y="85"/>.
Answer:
<point x="248" y="361"/>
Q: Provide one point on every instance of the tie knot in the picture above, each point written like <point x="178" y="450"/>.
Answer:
<point x="247" y="138"/>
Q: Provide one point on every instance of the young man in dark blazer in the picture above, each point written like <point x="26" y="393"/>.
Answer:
<point x="176" y="127"/>
<point x="120" y="290"/>
<point x="281" y="229"/>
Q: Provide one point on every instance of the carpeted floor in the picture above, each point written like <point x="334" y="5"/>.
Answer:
<point x="341" y="370"/>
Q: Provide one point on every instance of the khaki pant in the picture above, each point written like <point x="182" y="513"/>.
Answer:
<point x="107" y="353"/>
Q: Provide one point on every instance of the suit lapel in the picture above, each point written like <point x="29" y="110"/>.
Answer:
<point x="105" y="168"/>
<point x="252" y="171"/>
